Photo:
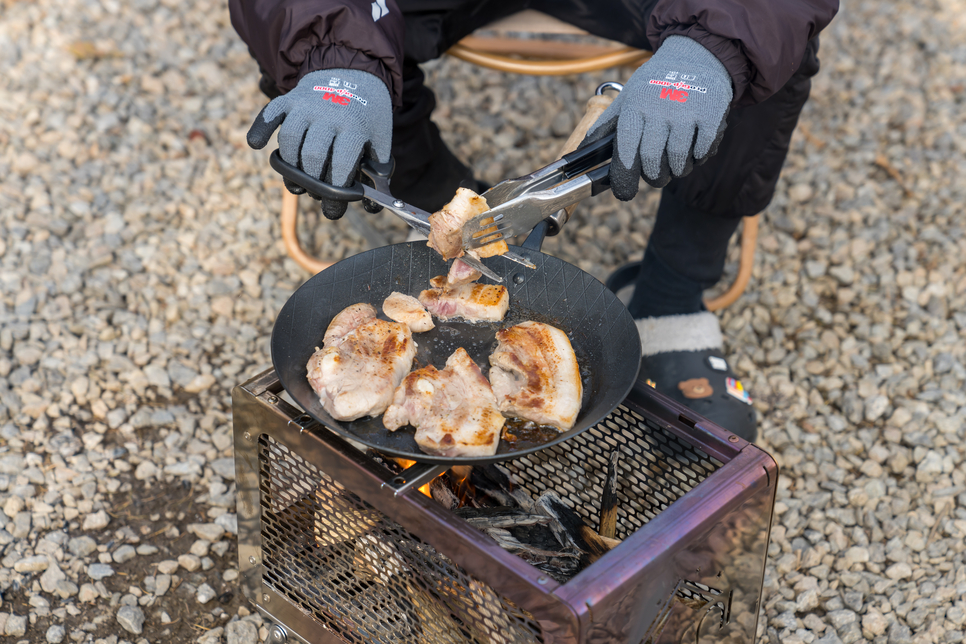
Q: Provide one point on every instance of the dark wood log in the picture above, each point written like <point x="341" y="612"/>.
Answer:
<point x="573" y="527"/>
<point x="607" y="524"/>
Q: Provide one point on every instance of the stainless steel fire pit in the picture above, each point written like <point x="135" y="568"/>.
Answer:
<point x="329" y="553"/>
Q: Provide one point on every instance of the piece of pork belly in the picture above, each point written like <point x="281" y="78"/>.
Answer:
<point x="361" y="363"/>
<point x="459" y="273"/>
<point x="535" y="376"/>
<point x="453" y="410"/>
<point x="446" y="226"/>
<point x="472" y="302"/>
<point x="407" y="309"/>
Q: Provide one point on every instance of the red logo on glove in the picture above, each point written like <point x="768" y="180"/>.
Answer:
<point x="335" y="98"/>
<point x="338" y="96"/>
<point x="678" y="95"/>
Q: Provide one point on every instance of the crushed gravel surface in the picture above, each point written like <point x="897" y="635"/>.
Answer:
<point x="141" y="267"/>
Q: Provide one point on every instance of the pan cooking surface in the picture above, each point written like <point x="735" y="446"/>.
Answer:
<point x="600" y="329"/>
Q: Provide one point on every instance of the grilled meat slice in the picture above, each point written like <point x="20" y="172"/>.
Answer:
<point x="360" y="363"/>
<point x="459" y="273"/>
<point x="446" y="226"/>
<point x="535" y="376"/>
<point x="453" y="410"/>
<point x="472" y="302"/>
<point x="407" y="309"/>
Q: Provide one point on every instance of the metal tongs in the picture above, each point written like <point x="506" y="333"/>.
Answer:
<point x="518" y="205"/>
<point x="377" y="195"/>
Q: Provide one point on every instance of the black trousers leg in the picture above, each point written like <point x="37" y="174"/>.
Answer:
<point x="427" y="172"/>
<point x="699" y="213"/>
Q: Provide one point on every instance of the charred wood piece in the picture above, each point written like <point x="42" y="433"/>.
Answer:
<point x="441" y="489"/>
<point x="607" y="523"/>
<point x="572" y="527"/>
<point x="486" y="518"/>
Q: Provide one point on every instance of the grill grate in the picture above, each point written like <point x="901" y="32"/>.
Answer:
<point x="656" y="468"/>
<point x="365" y="577"/>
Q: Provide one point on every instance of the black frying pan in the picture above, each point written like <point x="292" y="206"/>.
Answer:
<point x="602" y="332"/>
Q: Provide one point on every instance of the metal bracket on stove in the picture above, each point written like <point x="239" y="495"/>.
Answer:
<point x="416" y="475"/>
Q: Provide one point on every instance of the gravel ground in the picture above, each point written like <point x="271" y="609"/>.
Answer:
<point x="141" y="267"/>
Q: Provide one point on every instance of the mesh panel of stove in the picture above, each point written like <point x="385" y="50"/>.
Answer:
<point x="363" y="576"/>
<point x="655" y="469"/>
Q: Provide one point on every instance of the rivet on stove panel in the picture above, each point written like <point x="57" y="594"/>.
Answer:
<point x="542" y="580"/>
<point x="252" y="560"/>
<point x="273" y="399"/>
<point x="248" y="437"/>
<point x="265" y="598"/>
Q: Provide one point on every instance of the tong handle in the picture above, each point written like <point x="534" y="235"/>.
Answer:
<point x="378" y="173"/>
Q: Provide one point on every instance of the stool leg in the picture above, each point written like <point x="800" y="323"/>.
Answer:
<point x="290" y="212"/>
<point x="749" y="240"/>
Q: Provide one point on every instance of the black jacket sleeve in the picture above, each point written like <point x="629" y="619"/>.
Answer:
<point x="760" y="42"/>
<point x="291" y="38"/>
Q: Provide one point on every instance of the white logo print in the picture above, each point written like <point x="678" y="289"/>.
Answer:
<point x="379" y="9"/>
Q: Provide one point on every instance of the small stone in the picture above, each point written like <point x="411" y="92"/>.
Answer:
<point x="87" y="593"/>
<point x="146" y="549"/>
<point x="16" y="625"/>
<point x="210" y="532"/>
<point x="146" y="470"/>
<point x="229" y="521"/>
<point x="161" y="584"/>
<point x="190" y="563"/>
<point x="875" y="408"/>
<point x="96" y="521"/>
<point x="35" y="563"/>
<point x="841" y="618"/>
<point x="900" y="570"/>
<point x="874" y="622"/>
<point x="224" y="467"/>
<point x="56" y="634"/>
<point x="81" y="546"/>
<point x="124" y="553"/>
<point x="51" y="578"/>
<point x="205" y="594"/>
<point x="99" y="571"/>
<point x="168" y="566"/>
<point x="930" y="467"/>
<point x="800" y="192"/>
<point x="131" y="619"/>
<point x="200" y="383"/>
<point x="241" y="632"/>
<point x="200" y="548"/>
<point x="807" y="601"/>
<point x="13" y="506"/>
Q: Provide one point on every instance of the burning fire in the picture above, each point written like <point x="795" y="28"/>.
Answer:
<point x="404" y="463"/>
<point x="458" y="473"/>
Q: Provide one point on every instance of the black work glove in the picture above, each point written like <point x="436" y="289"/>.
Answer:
<point x="328" y="122"/>
<point x="669" y="116"/>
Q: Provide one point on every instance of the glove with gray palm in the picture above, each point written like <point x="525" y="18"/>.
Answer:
<point x="328" y="122"/>
<point x="669" y="116"/>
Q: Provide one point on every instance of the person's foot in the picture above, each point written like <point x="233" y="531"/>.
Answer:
<point x="682" y="359"/>
<point x="682" y="355"/>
